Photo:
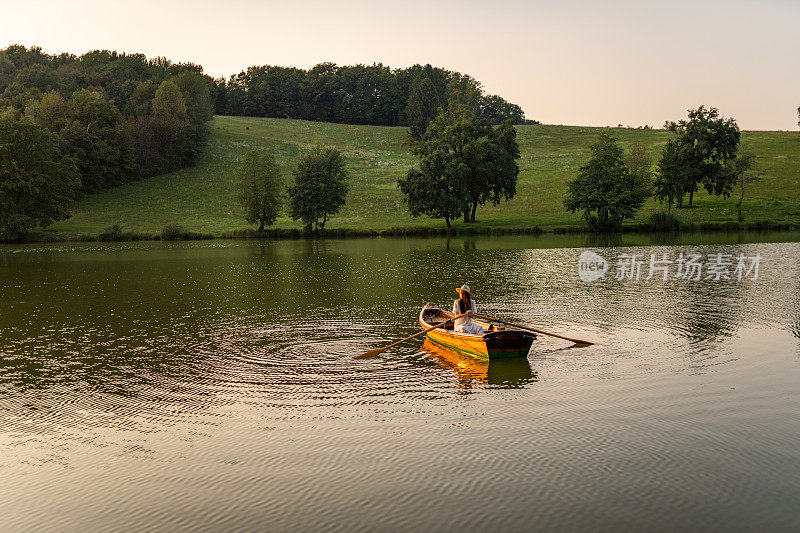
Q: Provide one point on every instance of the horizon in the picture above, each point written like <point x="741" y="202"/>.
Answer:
<point x="641" y="74"/>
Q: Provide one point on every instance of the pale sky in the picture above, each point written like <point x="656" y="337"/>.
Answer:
<point x="582" y="62"/>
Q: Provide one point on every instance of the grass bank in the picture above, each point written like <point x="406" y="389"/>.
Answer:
<point x="202" y="198"/>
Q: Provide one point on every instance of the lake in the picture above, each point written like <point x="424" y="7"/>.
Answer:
<point x="211" y="385"/>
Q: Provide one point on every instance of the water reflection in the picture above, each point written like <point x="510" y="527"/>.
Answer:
<point x="472" y="372"/>
<point x="153" y="374"/>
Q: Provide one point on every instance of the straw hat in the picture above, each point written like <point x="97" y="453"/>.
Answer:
<point x="464" y="288"/>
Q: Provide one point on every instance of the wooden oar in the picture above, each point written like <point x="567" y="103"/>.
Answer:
<point x="378" y="351"/>
<point x="576" y="341"/>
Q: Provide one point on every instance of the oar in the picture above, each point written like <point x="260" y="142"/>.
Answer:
<point x="378" y="351"/>
<point x="576" y="341"/>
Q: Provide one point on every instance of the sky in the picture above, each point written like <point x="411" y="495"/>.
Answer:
<point x="579" y="62"/>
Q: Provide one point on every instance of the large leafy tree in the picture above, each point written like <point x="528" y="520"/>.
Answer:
<point x="708" y="142"/>
<point x="463" y="161"/>
<point x="320" y="188"/>
<point x="433" y="189"/>
<point x="37" y="181"/>
<point x="260" y="188"/>
<point x="603" y="191"/>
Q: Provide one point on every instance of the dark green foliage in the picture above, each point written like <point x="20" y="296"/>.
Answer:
<point x="92" y="131"/>
<point x="423" y="106"/>
<point x="320" y="188"/>
<point x="196" y="91"/>
<point x="661" y="221"/>
<point x="463" y="161"/>
<point x="707" y="142"/>
<point x="603" y="190"/>
<point x="174" y="232"/>
<point x="100" y="105"/>
<point x="6" y="71"/>
<point x="432" y="191"/>
<point x="260" y="188"/>
<point x="670" y="182"/>
<point x="111" y="233"/>
<point x="496" y="110"/>
<point x="357" y="94"/>
<point x="37" y="181"/>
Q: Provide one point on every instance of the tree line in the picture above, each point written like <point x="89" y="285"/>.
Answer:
<point x="71" y="125"/>
<point x="356" y="94"/>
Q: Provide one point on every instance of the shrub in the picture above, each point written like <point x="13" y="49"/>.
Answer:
<point x="111" y="233"/>
<point x="174" y="232"/>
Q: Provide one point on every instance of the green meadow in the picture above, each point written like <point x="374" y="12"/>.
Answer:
<point x="203" y="198"/>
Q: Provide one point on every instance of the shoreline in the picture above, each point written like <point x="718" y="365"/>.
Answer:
<point x="424" y="231"/>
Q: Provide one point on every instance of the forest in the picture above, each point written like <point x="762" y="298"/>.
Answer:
<point x="360" y="94"/>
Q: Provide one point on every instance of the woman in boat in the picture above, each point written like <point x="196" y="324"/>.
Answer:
<point x="465" y="304"/>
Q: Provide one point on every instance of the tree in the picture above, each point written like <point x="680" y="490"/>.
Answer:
<point x="464" y="161"/>
<point x="741" y="168"/>
<point x="37" y="182"/>
<point x="670" y="183"/>
<point x="195" y="89"/>
<point x="169" y="103"/>
<point x="6" y="71"/>
<point x="639" y="165"/>
<point x="163" y="136"/>
<point x="423" y="106"/>
<point x="260" y="188"/>
<point x="603" y="190"/>
<point x="320" y="188"/>
<point x="497" y="110"/>
<point x="708" y="141"/>
<point x="433" y="190"/>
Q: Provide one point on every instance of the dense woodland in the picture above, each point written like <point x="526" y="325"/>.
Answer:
<point x="121" y="116"/>
<point x="358" y="94"/>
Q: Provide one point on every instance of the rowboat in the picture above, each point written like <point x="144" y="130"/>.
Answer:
<point x="494" y="344"/>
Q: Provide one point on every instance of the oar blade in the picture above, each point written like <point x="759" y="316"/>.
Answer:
<point x="372" y="353"/>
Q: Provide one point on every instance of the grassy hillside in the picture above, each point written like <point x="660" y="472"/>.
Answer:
<point x="202" y="198"/>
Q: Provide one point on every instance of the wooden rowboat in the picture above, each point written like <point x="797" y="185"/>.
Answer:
<point x="496" y="344"/>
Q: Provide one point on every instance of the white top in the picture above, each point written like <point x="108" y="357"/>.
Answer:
<point x="465" y="323"/>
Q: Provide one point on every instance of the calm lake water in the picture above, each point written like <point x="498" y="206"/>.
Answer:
<point x="211" y="385"/>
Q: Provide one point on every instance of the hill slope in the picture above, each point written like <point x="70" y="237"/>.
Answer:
<point x="202" y="198"/>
